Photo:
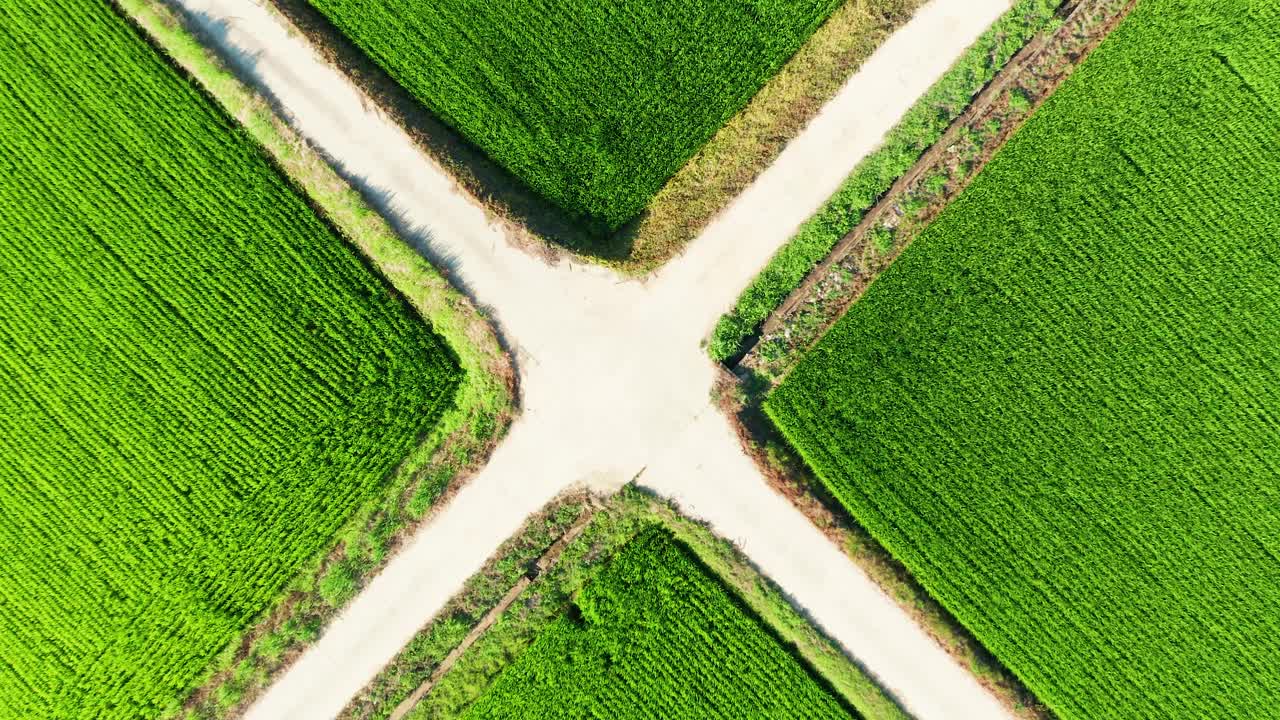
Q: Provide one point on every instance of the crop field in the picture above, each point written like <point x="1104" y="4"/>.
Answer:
<point x="591" y="103"/>
<point x="199" y="380"/>
<point x="1061" y="407"/>
<point x="656" y="635"/>
<point x="919" y="128"/>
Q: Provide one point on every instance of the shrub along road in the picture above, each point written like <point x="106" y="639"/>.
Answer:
<point x="612" y="375"/>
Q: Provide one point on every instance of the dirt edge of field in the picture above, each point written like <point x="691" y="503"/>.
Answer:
<point x="516" y="562"/>
<point x="787" y="475"/>
<point x="521" y="572"/>
<point x="832" y="289"/>
<point x="918" y="127"/>
<point x="749" y="142"/>
<point x="536" y="568"/>
<point x="941" y="173"/>
<point x="737" y="153"/>
<point x="446" y="456"/>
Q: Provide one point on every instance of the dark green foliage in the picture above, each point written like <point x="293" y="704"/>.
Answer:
<point x="1061" y="408"/>
<point x="592" y="103"/>
<point x="923" y="124"/>
<point x="1018" y="100"/>
<point x="657" y="635"/>
<point x="199" y="381"/>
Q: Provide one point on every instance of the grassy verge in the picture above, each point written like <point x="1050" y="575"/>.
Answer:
<point x="923" y="124"/>
<point x="787" y="473"/>
<point x="922" y="193"/>
<point x="747" y="144"/>
<point x="429" y="648"/>
<point x="550" y="595"/>
<point x="1065" y="322"/>
<point x="722" y="168"/>
<point x="897" y="218"/>
<point x="455" y="446"/>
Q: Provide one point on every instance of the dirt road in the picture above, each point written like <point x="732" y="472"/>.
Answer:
<point x="612" y="373"/>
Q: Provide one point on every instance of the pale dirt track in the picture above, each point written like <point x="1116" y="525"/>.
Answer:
<point x="612" y="375"/>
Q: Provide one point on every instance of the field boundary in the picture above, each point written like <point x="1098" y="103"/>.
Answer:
<point x="514" y="562"/>
<point x="484" y="404"/>
<point x="919" y="127"/>
<point x="1009" y="409"/>
<point x="741" y="392"/>
<point x="910" y="204"/>
<point x="787" y="474"/>
<point x="539" y="566"/>
<point x="612" y="522"/>
<point x="747" y="144"/>
<point x="532" y="221"/>
<point x="856" y="237"/>
<point x="704" y="185"/>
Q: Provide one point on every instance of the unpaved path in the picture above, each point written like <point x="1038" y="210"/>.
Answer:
<point x="706" y="474"/>
<point x="546" y="561"/>
<point x="612" y="373"/>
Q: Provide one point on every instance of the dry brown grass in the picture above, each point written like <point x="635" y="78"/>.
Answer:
<point x="726" y="165"/>
<point x="750" y="141"/>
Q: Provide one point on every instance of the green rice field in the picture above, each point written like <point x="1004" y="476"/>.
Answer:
<point x="655" y="634"/>
<point x="593" y="104"/>
<point x="1060" y="408"/>
<point x="199" y="380"/>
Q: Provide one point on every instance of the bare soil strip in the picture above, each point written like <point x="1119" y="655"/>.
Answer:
<point x="975" y="136"/>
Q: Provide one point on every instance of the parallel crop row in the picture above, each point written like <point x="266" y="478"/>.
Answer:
<point x="658" y="636"/>
<point x="591" y="103"/>
<point x="1061" y="407"/>
<point x="198" y="380"/>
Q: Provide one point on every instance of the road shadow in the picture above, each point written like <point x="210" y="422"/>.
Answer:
<point x="214" y="34"/>
<point x="496" y="188"/>
<point x="774" y="588"/>
<point x="741" y="396"/>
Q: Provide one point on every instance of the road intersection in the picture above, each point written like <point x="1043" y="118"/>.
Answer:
<point x="614" y="383"/>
